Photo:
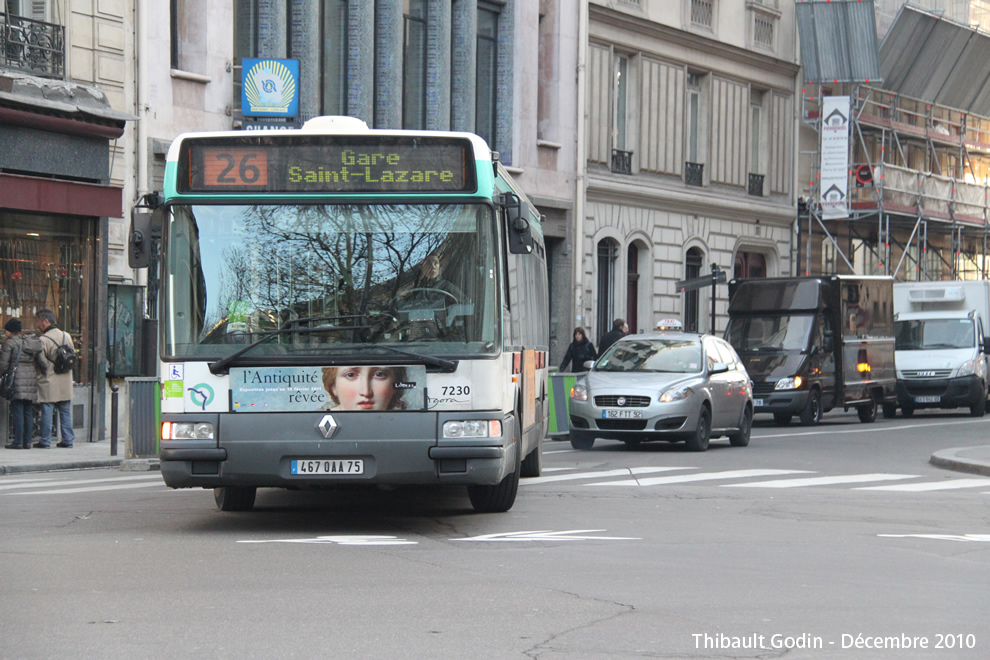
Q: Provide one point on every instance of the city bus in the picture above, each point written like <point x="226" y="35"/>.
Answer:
<point x="343" y="306"/>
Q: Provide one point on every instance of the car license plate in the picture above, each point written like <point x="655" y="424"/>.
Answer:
<point x="759" y="402"/>
<point x="622" y="414"/>
<point x="328" y="466"/>
<point x="927" y="399"/>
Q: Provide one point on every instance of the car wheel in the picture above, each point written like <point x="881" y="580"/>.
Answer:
<point x="234" y="498"/>
<point x="889" y="410"/>
<point x="812" y="413"/>
<point x="781" y="419"/>
<point x="582" y="442"/>
<point x="699" y="439"/>
<point x="979" y="409"/>
<point x="868" y="413"/>
<point x="741" y="437"/>
<point x="633" y="444"/>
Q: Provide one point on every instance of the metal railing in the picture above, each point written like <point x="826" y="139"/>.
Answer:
<point x="621" y="161"/>
<point x="32" y="46"/>
<point x="694" y="174"/>
<point x="755" y="184"/>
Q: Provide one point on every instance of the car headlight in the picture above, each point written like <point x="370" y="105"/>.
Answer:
<point x="579" y="392"/>
<point x="792" y="383"/>
<point x="676" y="394"/>
<point x="968" y="368"/>
<point x="187" y="431"/>
<point x="473" y="428"/>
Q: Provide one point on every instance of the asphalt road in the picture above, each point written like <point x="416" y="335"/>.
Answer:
<point x="823" y="542"/>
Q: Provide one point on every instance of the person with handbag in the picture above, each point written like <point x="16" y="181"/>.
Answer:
<point x="55" y="385"/>
<point x="580" y="351"/>
<point x="23" y="356"/>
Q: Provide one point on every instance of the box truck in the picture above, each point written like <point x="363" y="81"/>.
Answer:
<point x="811" y="344"/>
<point x="941" y="345"/>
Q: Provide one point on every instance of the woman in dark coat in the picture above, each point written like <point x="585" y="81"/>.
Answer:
<point x="31" y="361"/>
<point x="580" y="351"/>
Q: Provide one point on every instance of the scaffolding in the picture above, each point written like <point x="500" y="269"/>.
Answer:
<point x="918" y="190"/>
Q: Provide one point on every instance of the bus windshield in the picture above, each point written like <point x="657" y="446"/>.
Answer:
<point x="417" y="276"/>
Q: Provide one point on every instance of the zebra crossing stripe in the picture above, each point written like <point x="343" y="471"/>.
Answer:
<point x="704" y="476"/>
<point x="67" y="491"/>
<point x="822" y="481"/>
<point x="933" y="485"/>
<point x="598" y="475"/>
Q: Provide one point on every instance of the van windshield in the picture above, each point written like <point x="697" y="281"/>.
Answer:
<point x="927" y="334"/>
<point x="781" y="333"/>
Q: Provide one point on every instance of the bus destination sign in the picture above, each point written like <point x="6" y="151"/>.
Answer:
<point x="326" y="164"/>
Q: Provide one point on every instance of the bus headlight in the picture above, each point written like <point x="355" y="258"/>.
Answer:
<point x="792" y="383"/>
<point x="579" y="392"/>
<point x="187" y="431"/>
<point x="473" y="428"/>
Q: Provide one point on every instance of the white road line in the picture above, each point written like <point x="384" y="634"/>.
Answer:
<point x="872" y="428"/>
<point x="704" y="476"/>
<point x="66" y="491"/>
<point x="934" y="485"/>
<point x="823" y="481"/>
<point x="559" y="469"/>
<point x="598" y="475"/>
<point x="561" y="451"/>
<point x="52" y="482"/>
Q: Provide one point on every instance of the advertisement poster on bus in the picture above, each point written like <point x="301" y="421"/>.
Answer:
<point x="350" y="388"/>
<point x="835" y="157"/>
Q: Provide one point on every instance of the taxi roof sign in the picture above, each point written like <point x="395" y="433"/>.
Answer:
<point x="669" y="324"/>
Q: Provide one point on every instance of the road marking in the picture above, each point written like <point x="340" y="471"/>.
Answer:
<point x="933" y="485"/>
<point x="73" y="482"/>
<point x="822" y="481"/>
<point x="558" y="469"/>
<point x="344" y="540"/>
<point x="871" y="428"/>
<point x="966" y="538"/>
<point x="548" y="535"/>
<point x="603" y="473"/>
<point x="704" y="476"/>
<point x="66" y="491"/>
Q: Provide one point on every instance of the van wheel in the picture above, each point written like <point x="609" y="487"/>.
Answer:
<point x="234" y="498"/>
<point x="979" y="409"/>
<point x="889" y="410"/>
<point x="868" y="412"/>
<point x="701" y="436"/>
<point x="812" y="413"/>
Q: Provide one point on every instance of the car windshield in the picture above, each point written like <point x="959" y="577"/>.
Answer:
<point x="926" y="334"/>
<point x="328" y="276"/>
<point x="673" y="355"/>
<point x="755" y="333"/>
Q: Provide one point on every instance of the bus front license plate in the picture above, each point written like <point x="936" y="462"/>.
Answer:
<point x="328" y="466"/>
<point x="622" y="414"/>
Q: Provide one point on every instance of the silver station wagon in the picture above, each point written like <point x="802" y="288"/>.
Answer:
<point x="671" y="386"/>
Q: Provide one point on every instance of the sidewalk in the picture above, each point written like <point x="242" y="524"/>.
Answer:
<point x="975" y="460"/>
<point x="82" y="455"/>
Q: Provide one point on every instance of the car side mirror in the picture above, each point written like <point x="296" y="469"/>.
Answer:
<point x="588" y="364"/>
<point x="719" y="368"/>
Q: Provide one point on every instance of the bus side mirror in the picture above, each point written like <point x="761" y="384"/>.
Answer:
<point x="827" y="345"/>
<point x="139" y="242"/>
<point x="517" y="215"/>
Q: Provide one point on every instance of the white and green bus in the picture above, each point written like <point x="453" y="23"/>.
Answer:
<point x="347" y="306"/>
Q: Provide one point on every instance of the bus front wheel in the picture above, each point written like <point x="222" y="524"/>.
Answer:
<point x="500" y="497"/>
<point x="234" y="498"/>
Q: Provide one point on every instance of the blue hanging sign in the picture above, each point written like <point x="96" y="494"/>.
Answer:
<point x="269" y="88"/>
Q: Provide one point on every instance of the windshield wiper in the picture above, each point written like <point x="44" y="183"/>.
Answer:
<point x="445" y="365"/>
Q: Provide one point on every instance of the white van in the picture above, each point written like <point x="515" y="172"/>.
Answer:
<point x="941" y="345"/>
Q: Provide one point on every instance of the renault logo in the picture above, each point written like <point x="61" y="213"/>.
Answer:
<point x="327" y="426"/>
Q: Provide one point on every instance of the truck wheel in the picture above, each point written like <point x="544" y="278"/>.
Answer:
<point x="889" y="410"/>
<point x="868" y="412"/>
<point x="234" y="498"/>
<point x="781" y="419"/>
<point x="812" y="413"/>
<point x="978" y="409"/>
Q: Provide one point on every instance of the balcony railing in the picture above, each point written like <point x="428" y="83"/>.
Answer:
<point x="32" y="46"/>
<point x="694" y="173"/>
<point x="755" y="184"/>
<point x="621" y="161"/>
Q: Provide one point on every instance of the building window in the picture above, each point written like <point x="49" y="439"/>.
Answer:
<point x="333" y="44"/>
<point x="702" y="13"/>
<point x="749" y="264"/>
<point x="487" y="74"/>
<point x="619" y="91"/>
<point x="755" y="123"/>
<point x="692" y="269"/>
<point x="694" y="170"/>
<point x="188" y="35"/>
<point x="414" y="46"/>
<point x="608" y="255"/>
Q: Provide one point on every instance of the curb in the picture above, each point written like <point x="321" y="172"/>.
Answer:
<point x="140" y="465"/>
<point x="65" y="465"/>
<point x="950" y="459"/>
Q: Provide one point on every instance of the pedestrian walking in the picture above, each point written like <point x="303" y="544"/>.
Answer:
<point x="578" y="352"/>
<point x="619" y="330"/>
<point x="26" y="353"/>
<point x="55" y="386"/>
